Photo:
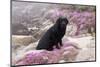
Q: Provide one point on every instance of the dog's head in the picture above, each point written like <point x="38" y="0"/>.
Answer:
<point x="62" y="21"/>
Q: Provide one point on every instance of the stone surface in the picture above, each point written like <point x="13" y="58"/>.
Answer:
<point x="68" y="51"/>
<point x="21" y="40"/>
<point x="86" y="54"/>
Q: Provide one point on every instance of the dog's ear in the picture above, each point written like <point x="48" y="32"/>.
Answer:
<point x="58" y="20"/>
<point x="66" y="20"/>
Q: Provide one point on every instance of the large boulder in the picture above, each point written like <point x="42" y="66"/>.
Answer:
<point x="44" y="56"/>
<point x="21" y="40"/>
<point x="19" y="29"/>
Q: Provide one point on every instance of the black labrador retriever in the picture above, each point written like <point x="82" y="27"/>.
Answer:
<point x="54" y="35"/>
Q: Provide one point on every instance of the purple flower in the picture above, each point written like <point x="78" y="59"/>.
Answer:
<point x="42" y="56"/>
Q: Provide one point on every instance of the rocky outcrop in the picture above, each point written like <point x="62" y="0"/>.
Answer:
<point x="21" y="40"/>
<point x="68" y="52"/>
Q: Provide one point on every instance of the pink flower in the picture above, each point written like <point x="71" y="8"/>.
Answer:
<point x="43" y="57"/>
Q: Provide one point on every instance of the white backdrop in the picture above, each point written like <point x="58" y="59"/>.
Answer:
<point x="5" y="33"/>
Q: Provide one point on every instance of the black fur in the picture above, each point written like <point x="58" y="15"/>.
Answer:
<point x="54" y="35"/>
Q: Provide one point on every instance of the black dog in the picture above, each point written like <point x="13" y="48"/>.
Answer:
<point x="54" y="35"/>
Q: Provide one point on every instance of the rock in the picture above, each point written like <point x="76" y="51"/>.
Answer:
<point x="87" y="48"/>
<point x="91" y="44"/>
<point x="70" y="54"/>
<point x="86" y="54"/>
<point x="19" y="29"/>
<point x="70" y="51"/>
<point x="73" y="50"/>
<point x="44" y="56"/>
<point x="21" y="40"/>
<point x="38" y="57"/>
<point x="31" y="46"/>
<point x="82" y="42"/>
<point x="62" y="61"/>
